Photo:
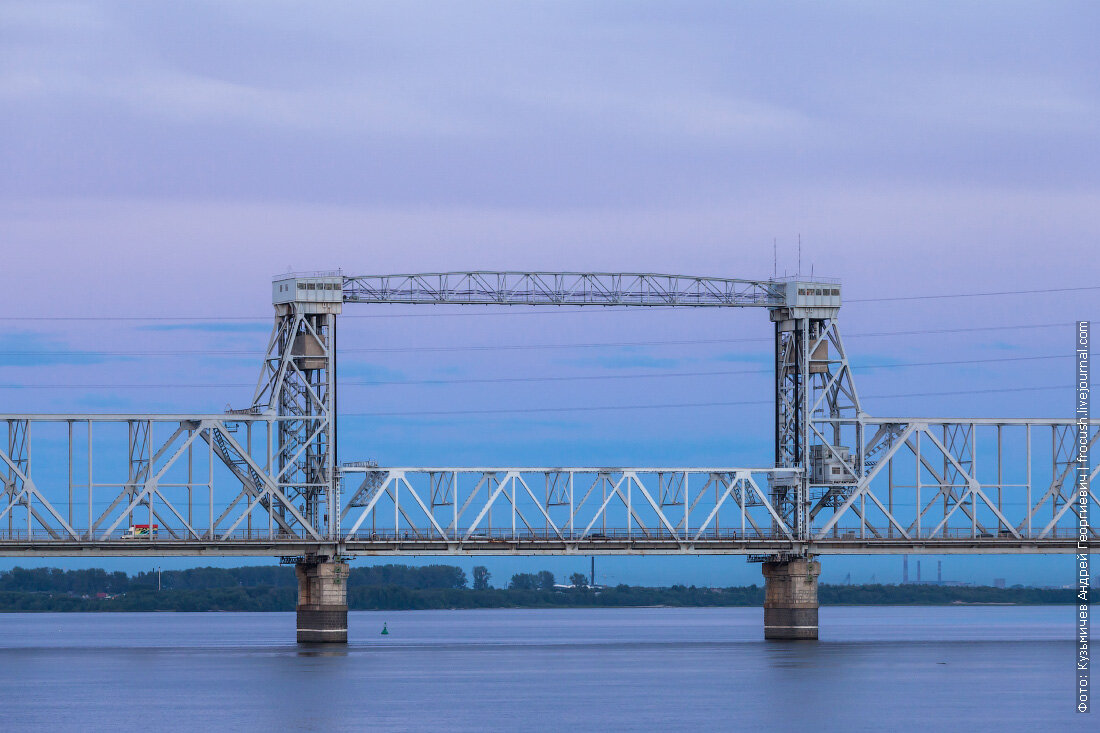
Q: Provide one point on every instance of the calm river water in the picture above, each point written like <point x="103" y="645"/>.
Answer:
<point x="645" y="669"/>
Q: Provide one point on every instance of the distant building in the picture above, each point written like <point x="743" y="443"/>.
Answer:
<point x="998" y="582"/>
<point x="939" y="575"/>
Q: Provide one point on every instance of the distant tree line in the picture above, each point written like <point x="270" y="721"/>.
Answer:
<point x="55" y="580"/>
<point x="931" y="595"/>
<point x="397" y="587"/>
<point x="532" y="581"/>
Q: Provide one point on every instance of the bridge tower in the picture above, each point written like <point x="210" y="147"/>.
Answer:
<point x="298" y="385"/>
<point x="815" y="404"/>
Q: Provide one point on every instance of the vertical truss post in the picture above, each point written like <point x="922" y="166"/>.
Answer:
<point x="139" y="444"/>
<point x="19" y="457"/>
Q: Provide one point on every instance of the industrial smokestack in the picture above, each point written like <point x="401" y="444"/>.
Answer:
<point x="904" y="569"/>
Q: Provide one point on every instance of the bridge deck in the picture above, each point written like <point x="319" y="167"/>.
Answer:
<point x="613" y="543"/>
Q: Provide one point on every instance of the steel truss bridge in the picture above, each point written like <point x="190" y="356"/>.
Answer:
<point x="265" y="479"/>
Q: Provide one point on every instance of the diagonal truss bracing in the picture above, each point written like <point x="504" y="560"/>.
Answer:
<point x="139" y="479"/>
<point x="512" y="505"/>
<point x="943" y="478"/>
<point x="560" y="288"/>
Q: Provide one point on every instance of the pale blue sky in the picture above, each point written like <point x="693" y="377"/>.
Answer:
<point x="167" y="159"/>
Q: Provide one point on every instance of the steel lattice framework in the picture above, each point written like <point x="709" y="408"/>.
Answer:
<point x="266" y="479"/>
<point x="561" y="288"/>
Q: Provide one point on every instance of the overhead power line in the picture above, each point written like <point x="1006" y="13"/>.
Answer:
<point x="974" y="295"/>
<point x="504" y="380"/>
<point x="521" y="347"/>
<point x="670" y="405"/>
<point x="604" y="309"/>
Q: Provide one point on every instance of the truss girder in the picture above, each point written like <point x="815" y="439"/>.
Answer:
<point x="561" y="288"/>
<point x="961" y="479"/>
<point x="211" y="484"/>
<point x="188" y="490"/>
<point x="498" y="505"/>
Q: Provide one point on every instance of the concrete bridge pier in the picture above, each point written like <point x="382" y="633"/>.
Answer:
<point x="322" y="601"/>
<point x="790" y="598"/>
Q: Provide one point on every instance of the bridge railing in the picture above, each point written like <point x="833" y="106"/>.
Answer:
<point x="507" y="536"/>
<point x="617" y="536"/>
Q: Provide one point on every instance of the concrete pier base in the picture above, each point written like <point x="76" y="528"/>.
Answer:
<point x="790" y="599"/>
<point x="322" y="602"/>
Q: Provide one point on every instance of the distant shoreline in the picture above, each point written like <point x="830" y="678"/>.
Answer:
<point x="956" y="604"/>
<point x="396" y="598"/>
<point x="401" y="587"/>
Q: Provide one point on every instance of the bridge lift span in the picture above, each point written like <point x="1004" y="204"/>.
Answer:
<point x="266" y="479"/>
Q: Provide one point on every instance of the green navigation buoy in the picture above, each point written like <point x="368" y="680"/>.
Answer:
<point x="385" y="631"/>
